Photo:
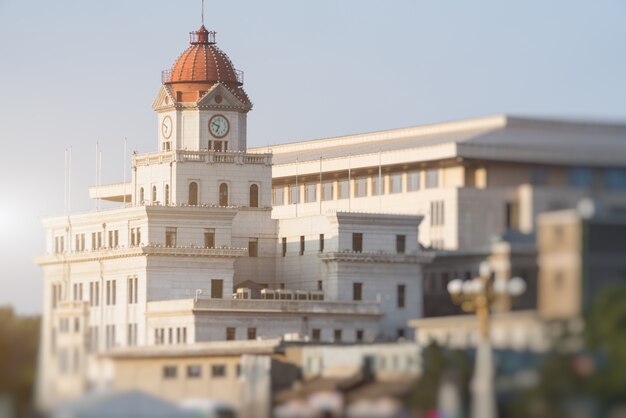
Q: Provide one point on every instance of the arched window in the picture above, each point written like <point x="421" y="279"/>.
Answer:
<point x="167" y="194"/>
<point x="154" y="194"/>
<point x="254" y="196"/>
<point x="223" y="194"/>
<point x="141" y="196"/>
<point x="193" y="193"/>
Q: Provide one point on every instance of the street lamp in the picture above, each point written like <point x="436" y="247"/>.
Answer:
<point x="478" y="295"/>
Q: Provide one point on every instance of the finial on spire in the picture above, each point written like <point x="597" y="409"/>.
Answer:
<point x="202" y="13"/>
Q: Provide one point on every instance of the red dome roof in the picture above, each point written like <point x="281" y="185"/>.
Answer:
<point x="201" y="66"/>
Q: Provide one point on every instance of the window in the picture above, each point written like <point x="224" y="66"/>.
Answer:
<point x="230" y="333"/>
<point x="357" y="291"/>
<point x="218" y="370"/>
<point x="357" y="242"/>
<point x="96" y="240"/>
<point x="400" y="244"/>
<point x="337" y="335"/>
<point x="343" y="191"/>
<point x="413" y="181"/>
<point x="580" y="177"/>
<point x="327" y="190"/>
<point x="400" y="334"/>
<point x="167" y="194"/>
<point x="401" y="295"/>
<point x="132" y="290"/>
<point x="159" y="336"/>
<point x="110" y="336"/>
<point x="284" y="245"/>
<point x="170" y="236"/>
<point x="377" y="185"/>
<point x="436" y="213"/>
<point x="113" y="238"/>
<point x="253" y="247"/>
<point x="360" y="187"/>
<point x="316" y="334"/>
<point x="154" y="194"/>
<point x="223" y="194"/>
<point x="359" y="335"/>
<point x="135" y="236"/>
<point x="238" y="370"/>
<point x="615" y="178"/>
<point x="395" y="183"/>
<point x="111" y="291"/>
<point x="94" y="294"/>
<point x="252" y="333"/>
<point x="310" y="193"/>
<point x="194" y="371"/>
<point x="321" y="243"/>
<point x="80" y="242"/>
<point x="142" y="196"/>
<point x="538" y="176"/>
<point x="320" y="285"/>
<point x="193" y="193"/>
<point x="301" y="244"/>
<point x="170" y="372"/>
<point x="132" y="334"/>
<point x="217" y="288"/>
<point x="254" y="196"/>
<point x="432" y="178"/>
<point x="294" y="195"/>
<point x="209" y="238"/>
<point x="58" y="244"/>
<point x="278" y="196"/>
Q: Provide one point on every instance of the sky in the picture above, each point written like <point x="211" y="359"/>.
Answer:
<point x="77" y="72"/>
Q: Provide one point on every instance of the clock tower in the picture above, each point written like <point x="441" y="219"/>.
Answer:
<point x="202" y="104"/>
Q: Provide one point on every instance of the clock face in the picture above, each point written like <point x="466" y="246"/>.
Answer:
<point x="218" y="126"/>
<point x="166" y="127"/>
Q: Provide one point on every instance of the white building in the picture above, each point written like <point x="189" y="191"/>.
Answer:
<point x="333" y="230"/>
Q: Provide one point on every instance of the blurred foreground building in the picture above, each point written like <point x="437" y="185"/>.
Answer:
<point x="335" y="240"/>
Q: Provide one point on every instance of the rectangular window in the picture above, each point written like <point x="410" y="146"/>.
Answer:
<point x="360" y="187"/>
<point x="377" y="186"/>
<point x="253" y="247"/>
<point x="230" y="333"/>
<point x="436" y="213"/>
<point x="90" y="293"/>
<point x="615" y="178"/>
<point x="316" y="334"/>
<point x="359" y="335"/>
<point x="401" y="295"/>
<point x="217" y="288"/>
<point x="59" y="244"/>
<point x="170" y="236"/>
<point x="114" y="238"/>
<point x="108" y="292"/>
<point x="218" y="370"/>
<point x="278" y="196"/>
<point x="400" y="333"/>
<point x="400" y="244"/>
<point x="252" y="333"/>
<point x="97" y="294"/>
<point x="343" y="191"/>
<point x="96" y="240"/>
<point x="132" y="290"/>
<point x="337" y="335"/>
<point x="395" y="183"/>
<point x="357" y="291"/>
<point x="301" y="244"/>
<point x="310" y="193"/>
<point x="580" y="177"/>
<point x="512" y="215"/>
<point x="194" y="371"/>
<point x="320" y="285"/>
<point x="170" y="372"/>
<point x="284" y="246"/>
<point x="327" y="190"/>
<point x="357" y="242"/>
<point x="135" y="236"/>
<point x="294" y="195"/>
<point x="80" y="242"/>
<point x="432" y="178"/>
<point x="209" y="238"/>
<point x="321" y="243"/>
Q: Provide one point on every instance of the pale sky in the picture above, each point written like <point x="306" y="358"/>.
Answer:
<point x="76" y="72"/>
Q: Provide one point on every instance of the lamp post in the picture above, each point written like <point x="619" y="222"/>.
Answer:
<point x="478" y="295"/>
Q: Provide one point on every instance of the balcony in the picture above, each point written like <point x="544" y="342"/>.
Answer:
<point x="202" y="156"/>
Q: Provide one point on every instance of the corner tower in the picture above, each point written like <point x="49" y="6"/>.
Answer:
<point x="202" y="104"/>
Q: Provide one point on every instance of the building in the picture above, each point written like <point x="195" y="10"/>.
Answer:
<point x="338" y="240"/>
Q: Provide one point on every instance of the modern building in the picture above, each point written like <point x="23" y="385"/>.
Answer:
<point x="336" y="240"/>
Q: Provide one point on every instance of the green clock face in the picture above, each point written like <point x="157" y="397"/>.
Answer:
<point x="166" y="127"/>
<point x="219" y="126"/>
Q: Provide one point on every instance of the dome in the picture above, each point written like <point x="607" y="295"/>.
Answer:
<point x="200" y="67"/>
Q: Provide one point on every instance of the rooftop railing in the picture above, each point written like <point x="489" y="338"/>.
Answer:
<point x="204" y="156"/>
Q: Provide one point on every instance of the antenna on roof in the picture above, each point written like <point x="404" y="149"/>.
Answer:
<point x="202" y="13"/>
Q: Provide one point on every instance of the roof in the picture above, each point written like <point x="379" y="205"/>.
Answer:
<point x="493" y="137"/>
